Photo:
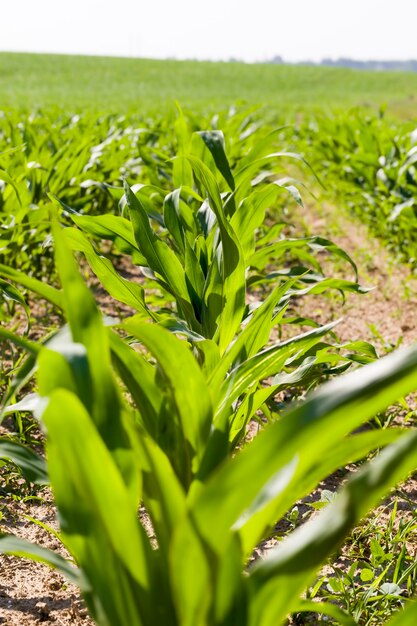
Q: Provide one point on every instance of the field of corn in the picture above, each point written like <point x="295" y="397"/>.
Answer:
<point x="174" y="386"/>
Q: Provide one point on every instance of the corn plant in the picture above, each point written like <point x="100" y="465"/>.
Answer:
<point x="204" y="253"/>
<point x="209" y="242"/>
<point x="207" y="248"/>
<point x="235" y="377"/>
<point x="103" y="462"/>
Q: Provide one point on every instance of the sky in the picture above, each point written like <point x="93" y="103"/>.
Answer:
<point x="254" y="30"/>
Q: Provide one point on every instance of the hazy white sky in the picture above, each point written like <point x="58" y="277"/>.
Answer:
<point x="213" y="29"/>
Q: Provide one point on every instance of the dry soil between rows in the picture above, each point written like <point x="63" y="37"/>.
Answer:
<point x="389" y="306"/>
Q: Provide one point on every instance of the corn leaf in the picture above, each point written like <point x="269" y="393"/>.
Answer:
<point x="281" y="454"/>
<point x="9" y="544"/>
<point x="214" y="141"/>
<point x="224" y="296"/>
<point x="184" y="382"/>
<point x="32" y="465"/>
<point x="160" y="257"/>
<point x="119" y="288"/>
<point x="43" y="289"/>
<point x="87" y="328"/>
<point x="301" y="554"/>
<point x="98" y="517"/>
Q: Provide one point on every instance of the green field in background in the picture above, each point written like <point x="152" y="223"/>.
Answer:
<point x="29" y="81"/>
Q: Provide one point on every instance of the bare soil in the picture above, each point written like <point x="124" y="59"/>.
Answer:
<point x="389" y="309"/>
<point x="32" y="593"/>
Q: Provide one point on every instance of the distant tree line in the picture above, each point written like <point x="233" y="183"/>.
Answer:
<point x="404" y="66"/>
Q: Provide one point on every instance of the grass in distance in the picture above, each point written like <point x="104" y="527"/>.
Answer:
<point x="145" y="85"/>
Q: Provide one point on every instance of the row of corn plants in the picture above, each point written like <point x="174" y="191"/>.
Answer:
<point x="370" y="165"/>
<point x="154" y="409"/>
<point x="81" y="159"/>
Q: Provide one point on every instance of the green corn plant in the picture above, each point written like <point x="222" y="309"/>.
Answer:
<point x="204" y="249"/>
<point x="235" y="377"/>
<point x="203" y="256"/>
<point x="207" y="243"/>
<point x="103" y="462"/>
